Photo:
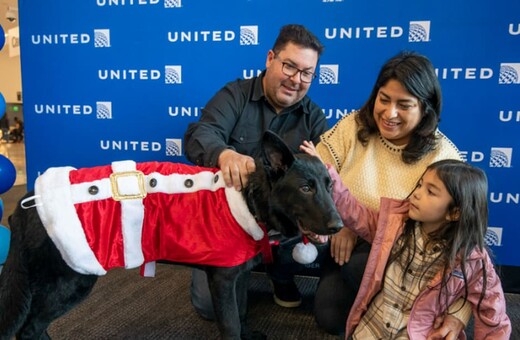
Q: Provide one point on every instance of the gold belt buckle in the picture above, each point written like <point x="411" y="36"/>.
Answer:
<point x="117" y="195"/>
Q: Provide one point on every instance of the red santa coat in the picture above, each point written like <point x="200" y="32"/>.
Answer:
<point x="129" y="214"/>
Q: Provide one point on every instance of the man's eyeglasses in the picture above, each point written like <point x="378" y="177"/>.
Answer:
<point x="290" y="71"/>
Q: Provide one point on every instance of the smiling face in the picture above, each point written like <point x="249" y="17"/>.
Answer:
<point x="281" y="90"/>
<point x="430" y="202"/>
<point x="396" y="112"/>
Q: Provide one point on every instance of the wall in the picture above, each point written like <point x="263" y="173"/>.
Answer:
<point x="107" y="80"/>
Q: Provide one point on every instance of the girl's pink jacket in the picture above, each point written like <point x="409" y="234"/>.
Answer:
<point x="382" y="229"/>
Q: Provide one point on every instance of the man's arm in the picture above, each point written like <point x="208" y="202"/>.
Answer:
<point x="206" y="139"/>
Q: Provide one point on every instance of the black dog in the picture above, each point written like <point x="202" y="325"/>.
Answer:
<point x="291" y="193"/>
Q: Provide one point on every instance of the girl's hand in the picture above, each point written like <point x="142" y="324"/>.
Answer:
<point x="448" y="327"/>
<point x="309" y="148"/>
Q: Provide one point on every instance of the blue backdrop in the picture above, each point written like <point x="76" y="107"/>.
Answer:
<point x="107" y="80"/>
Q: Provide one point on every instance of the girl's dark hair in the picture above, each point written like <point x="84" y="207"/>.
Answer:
<point x="417" y="75"/>
<point x="467" y="185"/>
<point x="298" y="35"/>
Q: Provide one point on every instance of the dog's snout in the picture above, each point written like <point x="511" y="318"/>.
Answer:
<point x="334" y="230"/>
<point x="334" y="226"/>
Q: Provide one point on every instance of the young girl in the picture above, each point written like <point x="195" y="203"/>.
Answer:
<point x="427" y="252"/>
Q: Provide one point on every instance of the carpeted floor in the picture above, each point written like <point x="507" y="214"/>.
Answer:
<point x="125" y="306"/>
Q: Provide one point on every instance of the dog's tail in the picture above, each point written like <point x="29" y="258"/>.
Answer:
<point x="15" y="292"/>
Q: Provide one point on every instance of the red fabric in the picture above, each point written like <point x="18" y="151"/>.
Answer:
<point x="267" y="251"/>
<point x="195" y="228"/>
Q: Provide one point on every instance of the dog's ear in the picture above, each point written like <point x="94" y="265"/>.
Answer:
<point x="276" y="153"/>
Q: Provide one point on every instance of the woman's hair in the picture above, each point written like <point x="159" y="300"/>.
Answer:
<point x="465" y="232"/>
<point x="417" y="75"/>
<point x="298" y="35"/>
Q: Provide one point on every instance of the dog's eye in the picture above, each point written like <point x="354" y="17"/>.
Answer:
<point x="305" y="188"/>
<point x="329" y="184"/>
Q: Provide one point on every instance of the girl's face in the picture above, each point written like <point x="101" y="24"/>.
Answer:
<point x="396" y="112"/>
<point x="430" y="201"/>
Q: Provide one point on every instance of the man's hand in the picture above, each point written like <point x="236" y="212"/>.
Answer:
<point x="235" y="168"/>
<point x="341" y="245"/>
<point x="446" y="327"/>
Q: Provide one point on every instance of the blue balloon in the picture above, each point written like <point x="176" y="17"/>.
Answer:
<point x="7" y="174"/>
<point x="5" y="240"/>
<point x="2" y="37"/>
<point x="2" y="105"/>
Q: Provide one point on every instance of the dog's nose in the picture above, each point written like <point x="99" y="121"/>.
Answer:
<point x="334" y="226"/>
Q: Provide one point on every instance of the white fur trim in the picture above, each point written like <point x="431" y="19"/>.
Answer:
<point x="132" y="215"/>
<point x="305" y="253"/>
<point x="80" y="192"/>
<point x="175" y="183"/>
<point x="64" y="228"/>
<point x="239" y="210"/>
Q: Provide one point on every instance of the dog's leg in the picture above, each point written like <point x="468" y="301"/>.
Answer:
<point x="242" y="293"/>
<point x="15" y="286"/>
<point x="53" y="299"/>
<point x="229" y="288"/>
<point x="222" y="285"/>
<point x="37" y="286"/>
<point x="55" y="289"/>
<point x="241" y="288"/>
<point x="15" y="292"/>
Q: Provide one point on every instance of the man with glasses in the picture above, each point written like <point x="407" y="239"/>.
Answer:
<point x="229" y="134"/>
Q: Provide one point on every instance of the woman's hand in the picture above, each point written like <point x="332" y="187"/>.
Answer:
<point x="341" y="245"/>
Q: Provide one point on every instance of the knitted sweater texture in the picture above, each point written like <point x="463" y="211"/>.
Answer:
<point x="376" y="170"/>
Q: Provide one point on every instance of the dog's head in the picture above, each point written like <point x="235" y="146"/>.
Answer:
<point x="293" y="193"/>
